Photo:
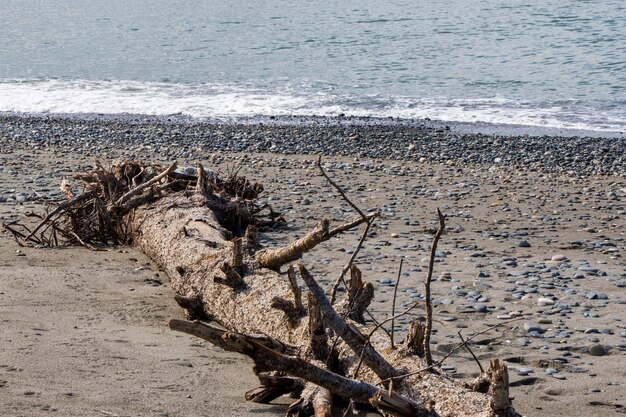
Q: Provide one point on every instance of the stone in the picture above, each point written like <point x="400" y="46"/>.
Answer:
<point x="553" y="391"/>
<point x="480" y="308"/>
<point x="597" y="350"/>
<point x="524" y="244"/>
<point x="532" y="327"/>
<point x="588" y="269"/>
<point x="542" y="302"/>
<point x="596" y="295"/>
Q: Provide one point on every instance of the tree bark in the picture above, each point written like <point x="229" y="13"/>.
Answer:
<point x="177" y="220"/>
<point x="185" y="239"/>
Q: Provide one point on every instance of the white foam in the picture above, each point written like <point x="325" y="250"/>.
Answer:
<point x="219" y="101"/>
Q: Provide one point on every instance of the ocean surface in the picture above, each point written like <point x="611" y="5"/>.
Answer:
<point x="550" y="63"/>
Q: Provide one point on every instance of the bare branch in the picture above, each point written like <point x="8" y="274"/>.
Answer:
<point x="378" y="326"/>
<point x="471" y="352"/>
<point x="85" y="244"/>
<point x="274" y="259"/>
<point x="267" y="359"/>
<point x="141" y="187"/>
<point x="346" y="268"/>
<point x="371" y="357"/>
<point x="60" y="208"/>
<point x="459" y="346"/>
<point x="393" y="304"/>
<point x="429" y="307"/>
<point x="338" y="188"/>
<point x="297" y="294"/>
<point x="363" y="237"/>
<point x="272" y="387"/>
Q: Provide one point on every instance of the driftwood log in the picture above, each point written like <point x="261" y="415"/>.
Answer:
<point x="202" y="231"/>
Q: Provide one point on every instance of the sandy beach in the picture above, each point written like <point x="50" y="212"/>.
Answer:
<point x="536" y="230"/>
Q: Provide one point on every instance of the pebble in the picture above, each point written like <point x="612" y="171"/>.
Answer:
<point x="377" y="138"/>
<point x="597" y="350"/>
<point x="480" y="308"/>
<point x="596" y="295"/>
<point x="542" y="302"/>
<point x="589" y="269"/>
<point x="553" y="391"/>
<point x="532" y="327"/>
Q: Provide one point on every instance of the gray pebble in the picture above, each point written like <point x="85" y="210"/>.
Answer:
<point x="480" y="308"/>
<point x="532" y="327"/>
<point x="597" y="350"/>
<point x="596" y="295"/>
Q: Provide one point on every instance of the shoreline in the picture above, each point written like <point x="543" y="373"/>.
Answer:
<point x="457" y="127"/>
<point x="422" y="142"/>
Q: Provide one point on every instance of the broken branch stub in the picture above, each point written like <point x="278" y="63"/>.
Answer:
<point x="499" y="378"/>
<point x="274" y="259"/>
<point x="355" y="340"/>
<point x="359" y="296"/>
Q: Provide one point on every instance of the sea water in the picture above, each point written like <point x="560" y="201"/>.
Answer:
<point x="549" y="63"/>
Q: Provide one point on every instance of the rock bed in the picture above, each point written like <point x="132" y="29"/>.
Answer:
<point x="371" y="139"/>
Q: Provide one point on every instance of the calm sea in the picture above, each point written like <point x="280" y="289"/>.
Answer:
<point x="550" y="63"/>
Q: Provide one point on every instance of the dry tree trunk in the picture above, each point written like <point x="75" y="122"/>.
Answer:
<point x="323" y="352"/>
<point x="186" y="240"/>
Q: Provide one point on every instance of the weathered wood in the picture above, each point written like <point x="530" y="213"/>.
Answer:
<point x="247" y="310"/>
<point x="276" y="258"/>
<point x="139" y="189"/>
<point x="186" y="224"/>
<point x="428" y="299"/>
<point x="359" y="296"/>
<point x="272" y="387"/>
<point x="371" y="357"/>
<point x="60" y="209"/>
<point x="499" y="390"/>
<point x="266" y="359"/>
<point x="414" y="341"/>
